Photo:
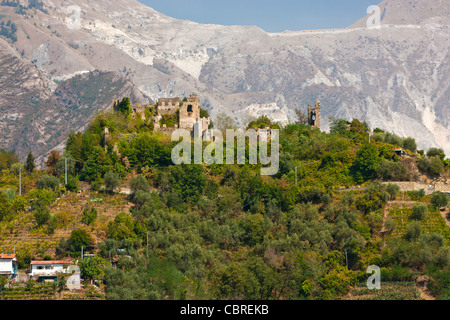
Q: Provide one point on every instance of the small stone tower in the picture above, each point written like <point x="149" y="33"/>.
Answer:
<point x="314" y="115"/>
<point x="190" y="116"/>
<point x="190" y="112"/>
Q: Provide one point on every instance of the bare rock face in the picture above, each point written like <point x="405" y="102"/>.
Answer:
<point x="394" y="77"/>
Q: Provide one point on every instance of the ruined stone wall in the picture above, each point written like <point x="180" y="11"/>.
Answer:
<point x="167" y="131"/>
<point x="415" y="186"/>
<point x="317" y="110"/>
<point x="138" y="109"/>
<point x="168" y="105"/>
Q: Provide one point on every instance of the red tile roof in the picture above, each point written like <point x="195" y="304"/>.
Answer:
<point x="49" y="262"/>
<point x="6" y="256"/>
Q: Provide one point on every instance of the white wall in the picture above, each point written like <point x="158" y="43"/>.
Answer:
<point x="47" y="269"/>
<point x="6" y="266"/>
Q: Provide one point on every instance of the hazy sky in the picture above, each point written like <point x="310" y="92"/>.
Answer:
<point x="270" y="15"/>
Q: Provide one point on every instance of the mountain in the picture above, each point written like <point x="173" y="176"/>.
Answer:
<point x="394" y="77"/>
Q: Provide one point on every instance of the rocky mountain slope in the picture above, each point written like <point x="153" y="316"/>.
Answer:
<point x="394" y="77"/>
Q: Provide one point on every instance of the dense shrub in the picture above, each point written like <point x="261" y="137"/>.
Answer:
<point x="395" y="171"/>
<point x="89" y="215"/>
<point x="413" y="231"/>
<point x="439" y="199"/>
<point x="139" y="183"/>
<point x="112" y="181"/>
<point x="48" y="182"/>
<point x="419" y="212"/>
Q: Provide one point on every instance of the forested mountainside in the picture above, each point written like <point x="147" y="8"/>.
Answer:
<point x="164" y="231"/>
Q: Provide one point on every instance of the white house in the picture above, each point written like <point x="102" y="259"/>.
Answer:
<point x="47" y="269"/>
<point x="8" y="265"/>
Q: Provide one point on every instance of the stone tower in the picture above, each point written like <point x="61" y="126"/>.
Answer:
<point x="190" y="112"/>
<point x="314" y="115"/>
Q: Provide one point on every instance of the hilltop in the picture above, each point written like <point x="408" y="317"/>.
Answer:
<point x="394" y="78"/>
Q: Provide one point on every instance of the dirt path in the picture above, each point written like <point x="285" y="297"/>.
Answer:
<point x="425" y="294"/>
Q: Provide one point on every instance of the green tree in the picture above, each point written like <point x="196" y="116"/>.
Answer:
<point x="268" y="279"/>
<point x="7" y="158"/>
<point x="188" y="180"/>
<point x="72" y="184"/>
<point x="393" y="139"/>
<point x="338" y="125"/>
<point x="88" y="142"/>
<point x="17" y="167"/>
<point x="124" y="106"/>
<point x="93" y="268"/>
<point x="61" y="167"/>
<point x="30" y="165"/>
<point x="436" y="152"/>
<point x="390" y="225"/>
<point x="261" y="122"/>
<point x="413" y="231"/>
<point x="389" y="170"/>
<point x="139" y="183"/>
<point x="255" y="227"/>
<point x="10" y="194"/>
<point x="48" y="182"/>
<point x="146" y="150"/>
<point x="74" y="145"/>
<point x="417" y="194"/>
<point x="5" y="206"/>
<point x="393" y="190"/>
<point x="419" y="212"/>
<point x="365" y="166"/>
<point x="79" y="238"/>
<point x="42" y="215"/>
<point x="436" y="167"/>
<point x="235" y="281"/>
<point x="96" y="166"/>
<point x="439" y="199"/>
<point x="121" y="228"/>
<point x="204" y="113"/>
<point x="410" y="144"/>
<point x="89" y="215"/>
<point x="112" y="181"/>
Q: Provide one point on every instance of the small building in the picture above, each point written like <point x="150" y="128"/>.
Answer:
<point x="400" y="152"/>
<point x="8" y="265"/>
<point x="47" y="270"/>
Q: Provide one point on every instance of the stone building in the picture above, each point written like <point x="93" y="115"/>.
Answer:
<point x="138" y="109"/>
<point x="314" y="115"/>
<point x="190" y="115"/>
<point x="168" y="105"/>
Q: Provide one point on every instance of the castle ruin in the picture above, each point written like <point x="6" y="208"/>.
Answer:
<point x="168" y="105"/>
<point x="314" y="115"/>
<point x="190" y="115"/>
<point x="187" y="111"/>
